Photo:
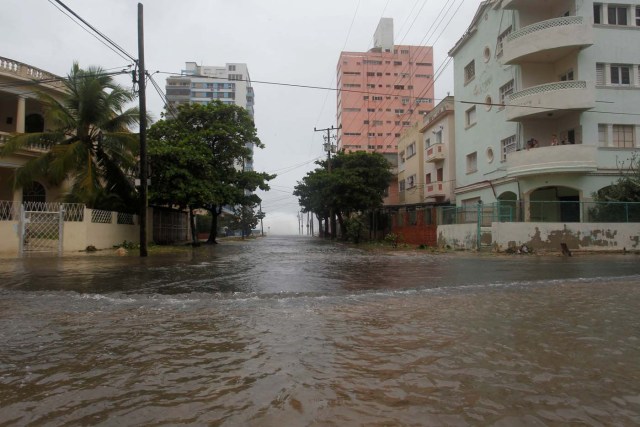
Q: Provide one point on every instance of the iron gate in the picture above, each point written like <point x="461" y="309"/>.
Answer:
<point x="41" y="230"/>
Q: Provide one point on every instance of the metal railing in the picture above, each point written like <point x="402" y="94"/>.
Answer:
<point x="543" y="211"/>
<point x="543" y="25"/>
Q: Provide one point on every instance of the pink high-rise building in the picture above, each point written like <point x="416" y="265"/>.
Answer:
<point x="381" y="92"/>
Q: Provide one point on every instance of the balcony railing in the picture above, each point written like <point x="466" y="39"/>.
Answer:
<point x="31" y="146"/>
<point x="551" y="100"/>
<point x="436" y="152"/>
<point x="18" y="69"/>
<point x="552" y="159"/>
<point x="547" y="41"/>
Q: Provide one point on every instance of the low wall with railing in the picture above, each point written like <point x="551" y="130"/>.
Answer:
<point x="82" y="227"/>
<point x="101" y="229"/>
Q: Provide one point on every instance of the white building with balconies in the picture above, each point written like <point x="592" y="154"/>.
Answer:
<point x="548" y="102"/>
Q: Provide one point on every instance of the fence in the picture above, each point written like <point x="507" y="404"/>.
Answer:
<point x="542" y="211"/>
<point x="73" y="229"/>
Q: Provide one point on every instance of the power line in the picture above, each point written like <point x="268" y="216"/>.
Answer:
<point x="107" y="39"/>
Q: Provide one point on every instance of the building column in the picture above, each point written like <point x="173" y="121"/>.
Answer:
<point x="20" y="114"/>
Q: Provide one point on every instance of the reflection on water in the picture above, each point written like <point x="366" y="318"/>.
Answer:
<point x="301" y="332"/>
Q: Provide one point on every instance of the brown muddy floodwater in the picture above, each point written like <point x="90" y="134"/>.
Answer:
<point x="300" y="332"/>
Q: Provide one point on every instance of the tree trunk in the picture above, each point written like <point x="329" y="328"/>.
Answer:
<point x="326" y="227"/>
<point x="320" y="229"/>
<point x="214" y="225"/>
<point x="194" y="232"/>
<point x="342" y="229"/>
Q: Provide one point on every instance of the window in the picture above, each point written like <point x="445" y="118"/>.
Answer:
<point x="399" y="111"/>
<point x="377" y="98"/>
<point x="600" y="80"/>
<point x="427" y="143"/>
<point x="472" y="162"/>
<point x="469" y="72"/>
<point x="617" y="15"/>
<point x="232" y="67"/>
<point x="352" y="110"/>
<point x="621" y="75"/>
<point x="440" y="174"/>
<point x="597" y="13"/>
<point x="406" y="124"/>
<point x="371" y="74"/>
<point x="438" y="137"/>
<point x="423" y="100"/>
<point x="371" y="110"/>
<point x="567" y="76"/>
<point x="623" y="136"/>
<point x="603" y="135"/>
<point x="470" y="116"/>
<point x="411" y="181"/>
<point x="505" y="91"/>
<point x="372" y="62"/>
<point x="351" y="73"/>
<point x="351" y="85"/>
<point x="423" y="64"/>
<point x="405" y="100"/>
<point x="427" y="179"/>
<point x="637" y="16"/>
<point x="401" y="185"/>
<point x="398" y="87"/>
<point x="397" y="62"/>
<point x="501" y="38"/>
<point x="404" y="51"/>
<point x="508" y="145"/>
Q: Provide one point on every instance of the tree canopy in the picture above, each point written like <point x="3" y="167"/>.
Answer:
<point x="197" y="159"/>
<point x="357" y="183"/>
<point x="90" y="142"/>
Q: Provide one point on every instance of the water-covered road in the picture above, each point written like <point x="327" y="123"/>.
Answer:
<point x="297" y="331"/>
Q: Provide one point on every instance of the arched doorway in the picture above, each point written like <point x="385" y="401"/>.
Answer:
<point x="34" y="194"/>
<point x="33" y="123"/>
<point x="554" y="204"/>
<point x="508" y="202"/>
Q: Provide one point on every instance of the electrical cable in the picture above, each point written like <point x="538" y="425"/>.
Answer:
<point x="111" y="42"/>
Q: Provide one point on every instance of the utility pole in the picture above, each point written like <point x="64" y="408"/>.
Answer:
<point x="329" y="148"/>
<point x="143" y="135"/>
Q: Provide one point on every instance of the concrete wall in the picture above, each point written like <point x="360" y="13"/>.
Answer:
<point x="79" y="235"/>
<point x="9" y="238"/>
<point x="548" y="236"/>
<point x="459" y="236"/>
<point x="545" y="236"/>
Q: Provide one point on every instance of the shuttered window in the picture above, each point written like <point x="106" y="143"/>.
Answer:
<point x="600" y="74"/>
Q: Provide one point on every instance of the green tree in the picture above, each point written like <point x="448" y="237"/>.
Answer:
<point x="197" y="160"/>
<point x="90" y="142"/>
<point x="613" y="201"/>
<point x="357" y="183"/>
<point x="246" y="219"/>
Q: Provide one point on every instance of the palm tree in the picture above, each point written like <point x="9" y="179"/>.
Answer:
<point x="90" y="142"/>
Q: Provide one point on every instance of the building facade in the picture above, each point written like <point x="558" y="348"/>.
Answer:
<point x="21" y="111"/>
<point x="199" y="84"/>
<point x="547" y="94"/>
<point x="381" y="92"/>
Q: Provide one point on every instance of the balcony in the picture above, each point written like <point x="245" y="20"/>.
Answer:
<point x="435" y="153"/>
<point x="552" y="159"/>
<point x="547" y="41"/>
<point x="438" y="190"/>
<point x="551" y="100"/>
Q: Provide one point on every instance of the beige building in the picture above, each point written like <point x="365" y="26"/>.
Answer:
<point x="21" y="111"/>
<point x="426" y="158"/>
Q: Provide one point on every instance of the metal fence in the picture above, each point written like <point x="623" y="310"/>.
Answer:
<point x="542" y="211"/>
<point x="10" y="210"/>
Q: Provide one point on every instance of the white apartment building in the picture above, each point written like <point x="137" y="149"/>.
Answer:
<point x="201" y="84"/>
<point x="565" y="73"/>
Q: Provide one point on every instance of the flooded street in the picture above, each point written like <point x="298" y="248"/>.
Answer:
<point x="296" y="331"/>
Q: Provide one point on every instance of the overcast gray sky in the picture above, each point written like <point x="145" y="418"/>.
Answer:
<point x="282" y="41"/>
